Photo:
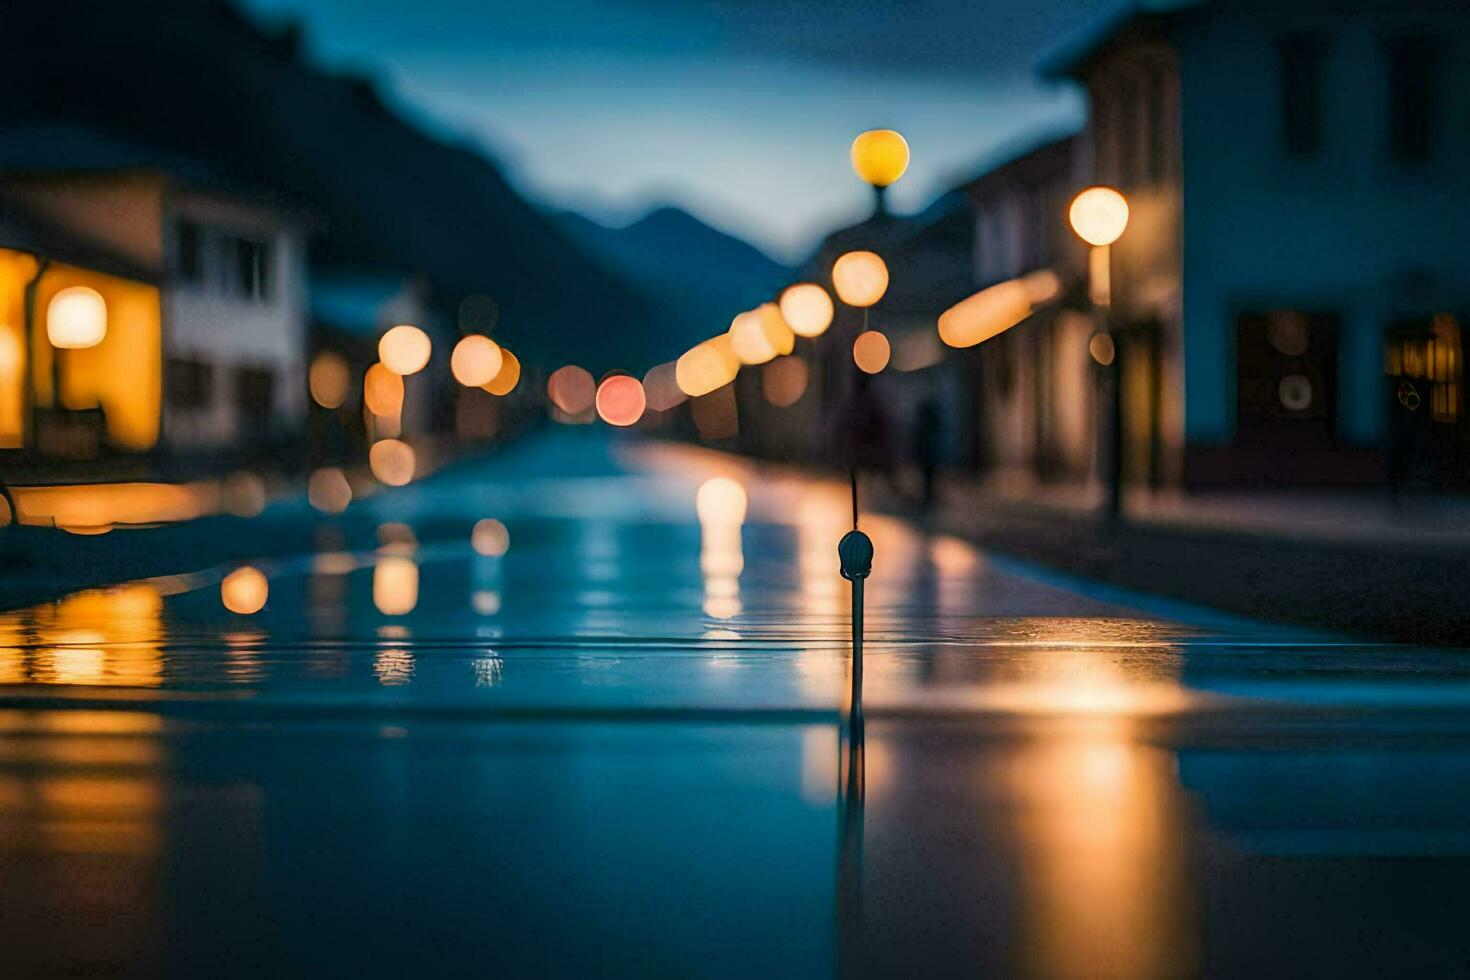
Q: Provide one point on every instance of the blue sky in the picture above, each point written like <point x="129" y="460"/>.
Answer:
<point x="740" y="111"/>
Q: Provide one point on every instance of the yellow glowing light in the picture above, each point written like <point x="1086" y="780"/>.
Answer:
<point x="620" y="400"/>
<point x="571" y="389"/>
<point x="720" y="500"/>
<point x="382" y="391"/>
<point x="76" y="318"/>
<point x="880" y="156"/>
<point x="871" y="352"/>
<point x="328" y="491"/>
<point x="661" y="387"/>
<point x="860" y="278"/>
<point x="392" y="462"/>
<point x="758" y="335"/>
<point x="476" y="361"/>
<point x="328" y="379"/>
<point x="405" y="350"/>
<point x="244" y="591"/>
<point x="784" y="381"/>
<point x="807" y="308"/>
<point x="490" y="537"/>
<point x="1099" y="215"/>
<point x="707" y="366"/>
<point x="507" y="377"/>
<point x="395" y="585"/>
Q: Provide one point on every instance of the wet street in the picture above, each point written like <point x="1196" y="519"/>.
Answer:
<point x="575" y="710"/>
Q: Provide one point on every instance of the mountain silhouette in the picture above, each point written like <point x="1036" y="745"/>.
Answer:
<point x="703" y="276"/>
<point x="200" y="80"/>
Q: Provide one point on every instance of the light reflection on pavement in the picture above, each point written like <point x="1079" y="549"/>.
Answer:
<point x="613" y="750"/>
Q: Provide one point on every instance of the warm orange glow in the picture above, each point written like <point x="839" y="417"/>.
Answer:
<point x="328" y="491"/>
<point x="807" y="308"/>
<point x="328" y="379"/>
<point x="507" y="377"/>
<point x="989" y="312"/>
<point x="395" y="585"/>
<point x="382" y="391"/>
<point x="758" y="335"/>
<point x="571" y="389"/>
<point x="707" y="366"/>
<point x="1102" y="349"/>
<point x="871" y="352"/>
<point x="880" y="156"/>
<point x="784" y="381"/>
<point x="661" y="387"/>
<point x="98" y="506"/>
<point x="720" y="503"/>
<point x="392" y="462"/>
<point x="244" y="591"/>
<point x="243" y="494"/>
<point x="76" y="318"/>
<point x="476" y="361"/>
<point x="860" y="278"/>
<point x="1099" y="215"/>
<point x="99" y="636"/>
<point x="405" y="350"/>
<point x="620" y="400"/>
<point x="490" y="538"/>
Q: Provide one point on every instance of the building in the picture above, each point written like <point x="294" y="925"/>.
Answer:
<point x="205" y="351"/>
<point x="1293" y="276"/>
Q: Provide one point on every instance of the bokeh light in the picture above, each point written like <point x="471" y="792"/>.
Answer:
<point x="382" y="391"/>
<point x="880" y="156"/>
<point x="1099" y="215"/>
<point x="871" y="352"/>
<point x="405" y="349"/>
<point x="76" y="318"/>
<point x="490" y="538"/>
<point x="784" y="381"/>
<point x="620" y="400"/>
<point x="328" y="490"/>
<point x="661" y="387"/>
<point x="860" y="278"/>
<point x="475" y="361"/>
<point x="807" y="309"/>
<point x="392" y="462"/>
<point x="244" y="591"/>
<point x="1102" y="348"/>
<point x="328" y="379"/>
<point x="243" y="494"/>
<point x="507" y="377"/>
<point x="395" y="585"/>
<point x="720" y="500"/>
<point x="707" y="366"/>
<point x="571" y="389"/>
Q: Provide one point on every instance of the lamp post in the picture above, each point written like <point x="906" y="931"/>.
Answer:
<point x="880" y="157"/>
<point x="1099" y="215"/>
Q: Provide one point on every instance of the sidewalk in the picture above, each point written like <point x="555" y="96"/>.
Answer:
<point x="1342" y="561"/>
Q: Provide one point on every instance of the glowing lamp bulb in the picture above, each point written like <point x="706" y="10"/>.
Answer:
<point x="476" y="361"/>
<point x="507" y="377"/>
<point x="871" y="352"/>
<point x="880" y="156"/>
<point x="405" y="350"/>
<point x="76" y="318"/>
<point x="807" y="309"/>
<point x="860" y="278"/>
<point x="1099" y="215"/>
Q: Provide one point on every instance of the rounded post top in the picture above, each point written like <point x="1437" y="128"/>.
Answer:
<point x="856" y="553"/>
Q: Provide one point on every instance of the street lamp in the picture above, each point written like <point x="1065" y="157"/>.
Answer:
<point x="1099" y="215"/>
<point x="880" y="157"/>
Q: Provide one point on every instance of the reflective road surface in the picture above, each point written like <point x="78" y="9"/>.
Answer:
<point x="559" y="713"/>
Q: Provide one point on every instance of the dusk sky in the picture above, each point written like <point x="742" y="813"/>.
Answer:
<point x="740" y="112"/>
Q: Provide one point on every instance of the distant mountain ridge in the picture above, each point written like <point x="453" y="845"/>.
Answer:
<point x="704" y="275"/>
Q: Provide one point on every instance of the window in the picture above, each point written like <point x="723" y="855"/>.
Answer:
<point x="188" y="383"/>
<point x="1412" y="75"/>
<point x="252" y="269"/>
<point x="1301" y="93"/>
<point x="189" y="252"/>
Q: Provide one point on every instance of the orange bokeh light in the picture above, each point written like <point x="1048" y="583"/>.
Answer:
<point x="620" y="400"/>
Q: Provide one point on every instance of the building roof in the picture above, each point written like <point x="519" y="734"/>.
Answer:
<point x="1073" y="52"/>
<point x="1039" y="154"/>
<point x="25" y="231"/>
